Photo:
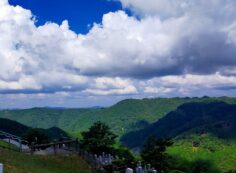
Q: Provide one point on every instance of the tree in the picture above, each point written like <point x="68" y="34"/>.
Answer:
<point x="154" y="152"/>
<point x="37" y="136"/>
<point x="126" y="157"/>
<point x="203" y="166"/>
<point x="98" y="139"/>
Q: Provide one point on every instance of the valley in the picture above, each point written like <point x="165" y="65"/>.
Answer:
<point x="210" y="122"/>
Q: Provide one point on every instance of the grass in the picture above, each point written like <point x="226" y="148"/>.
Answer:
<point x="221" y="153"/>
<point x="7" y="145"/>
<point x="15" y="162"/>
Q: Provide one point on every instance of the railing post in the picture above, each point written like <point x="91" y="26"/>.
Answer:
<point x="32" y="148"/>
<point x="54" y="149"/>
<point x="76" y="144"/>
<point x="20" y="145"/>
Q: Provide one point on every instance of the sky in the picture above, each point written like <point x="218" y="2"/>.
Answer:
<point x="78" y="53"/>
<point x="81" y="14"/>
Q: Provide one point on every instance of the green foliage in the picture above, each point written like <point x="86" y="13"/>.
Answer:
<point x="180" y="165"/>
<point x="222" y="159"/>
<point x="154" y="152"/>
<point x="231" y="171"/>
<point x="203" y="166"/>
<point x="7" y="145"/>
<point x="126" y="157"/>
<point x="36" y="136"/>
<point x="98" y="139"/>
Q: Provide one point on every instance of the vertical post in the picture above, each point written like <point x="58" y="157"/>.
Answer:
<point x="32" y="148"/>
<point x="148" y="167"/>
<point x="9" y="142"/>
<point x="54" y="149"/>
<point x="20" y="145"/>
<point x="1" y="168"/>
<point x="145" y="169"/>
<point x="76" y="144"/>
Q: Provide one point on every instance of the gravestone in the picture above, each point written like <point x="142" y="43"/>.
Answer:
<point x="139" y="169"/>
<point x="129" y="170"/>
<point x="1" y="168"/>
<point x="148" y="167"/>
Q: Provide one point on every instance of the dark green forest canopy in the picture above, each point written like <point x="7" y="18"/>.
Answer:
<point x="217" y="118"/>
<point x="20" y="130"/>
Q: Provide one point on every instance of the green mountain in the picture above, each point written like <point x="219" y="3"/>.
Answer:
<point x="125" y="116"/>
<point x="19" y="129"/>
<point x="217" y="118"/>
<point x="12" y="127"/>
<point x="211" y="122"/>
<point x="210" y="125"/>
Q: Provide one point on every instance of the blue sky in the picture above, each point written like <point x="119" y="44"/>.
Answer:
<point x="80" y="13"/>
<point x="97" y="52"/>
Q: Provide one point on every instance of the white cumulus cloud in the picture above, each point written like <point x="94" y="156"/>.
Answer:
<point x="184" y="45"/>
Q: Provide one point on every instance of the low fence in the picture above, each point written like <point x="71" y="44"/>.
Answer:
<point x="97" y="162"/>
<point x="14" y="140"/>
<point x="65" y="145"/>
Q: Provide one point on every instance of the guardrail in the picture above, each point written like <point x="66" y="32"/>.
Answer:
<point x="13" y="139"/>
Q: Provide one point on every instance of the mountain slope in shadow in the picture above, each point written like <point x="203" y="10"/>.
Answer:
<point x="218" y="118"/>
<point x="19" y="129"/>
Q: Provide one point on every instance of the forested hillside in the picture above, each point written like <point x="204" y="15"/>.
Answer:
<point x="123" y="117"/>
<point x="217" y="118"/>
<point x="209" y="126"/>
<point x="210" y="122"/>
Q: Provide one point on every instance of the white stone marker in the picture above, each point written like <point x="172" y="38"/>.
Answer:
<point x="129" y="170"/>
<point x="1" y="168"/>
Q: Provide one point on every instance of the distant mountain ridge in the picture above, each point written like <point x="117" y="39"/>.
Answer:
<point x="123" y="117"/>
<point x="209" y="121"/>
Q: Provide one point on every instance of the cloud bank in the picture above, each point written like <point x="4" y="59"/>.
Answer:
<point x="167" y="48"/>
